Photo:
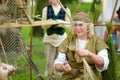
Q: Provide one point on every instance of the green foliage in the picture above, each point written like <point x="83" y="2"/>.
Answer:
<point x="83" y="7"/>
<point x="111" y="68"/>
<point x="95" y="15"/>
<point x="110" y="28"/>
<point x="96" y="9"/>
<point x="94" y="4"/>
<point x="117" y="66"/>
<point x="110" y="73"/>
<point x="97" y="1"/>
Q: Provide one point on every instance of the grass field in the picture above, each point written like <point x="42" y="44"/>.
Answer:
<point x="38" y="55"/>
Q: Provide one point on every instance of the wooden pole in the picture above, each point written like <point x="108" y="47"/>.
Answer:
<point x="65" y="10"/>
<point x="30" y="54"/>
<point x="32" y="12"/>
<point x="78" y="7"/>
<point x="116" y="24"/>
<point x="114" y="11"/>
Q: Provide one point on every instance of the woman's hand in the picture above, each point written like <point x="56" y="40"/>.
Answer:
<point x="98" y="60"/>
<point x="82" y="52"/>
<point x="63" y="67"/>
<point x="66" y="67"/>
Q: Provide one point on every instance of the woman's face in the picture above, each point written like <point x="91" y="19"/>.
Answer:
<point x="53" y="2"/>
<point x="80" y="29"/>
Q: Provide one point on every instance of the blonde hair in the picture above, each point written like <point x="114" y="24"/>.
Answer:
<point x="91" y="30"/>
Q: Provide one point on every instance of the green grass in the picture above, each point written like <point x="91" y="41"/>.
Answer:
<point x="83" y="7"/>
<point x="38" y="56"/>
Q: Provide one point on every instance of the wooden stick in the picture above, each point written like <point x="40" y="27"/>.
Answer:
<point x="64" y="10"/>
<point x="28" y="16"/>
<point x="34" y="23"/>
<point x="78" y="7"/>
<point x="114" y="11"/>
<point x="31" y="34"/>
<point x="116" y="24"/>
<point x="30" y="53"/>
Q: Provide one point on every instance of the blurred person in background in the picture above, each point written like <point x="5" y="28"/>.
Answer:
<point x="55" y="34"/>
<point x="117" y="20"/>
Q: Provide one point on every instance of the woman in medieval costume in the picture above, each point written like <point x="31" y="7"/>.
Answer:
<point x="83" y="55"/>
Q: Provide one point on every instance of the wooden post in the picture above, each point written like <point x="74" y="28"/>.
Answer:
<point x="32" y="12"/>
<point x="114" y="11"/>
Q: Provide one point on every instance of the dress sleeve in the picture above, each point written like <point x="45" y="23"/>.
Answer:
<point x="61" y="58"/>
<point x="100" y="45"/>
<point x="104" y="54"/>
<point x="44" y="15"/>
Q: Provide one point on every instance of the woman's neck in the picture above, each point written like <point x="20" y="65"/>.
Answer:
<point x="83" y="37"/>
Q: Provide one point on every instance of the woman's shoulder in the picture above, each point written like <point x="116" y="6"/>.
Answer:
<point x="71" y="35"/>
<point x="95" y="36"/>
